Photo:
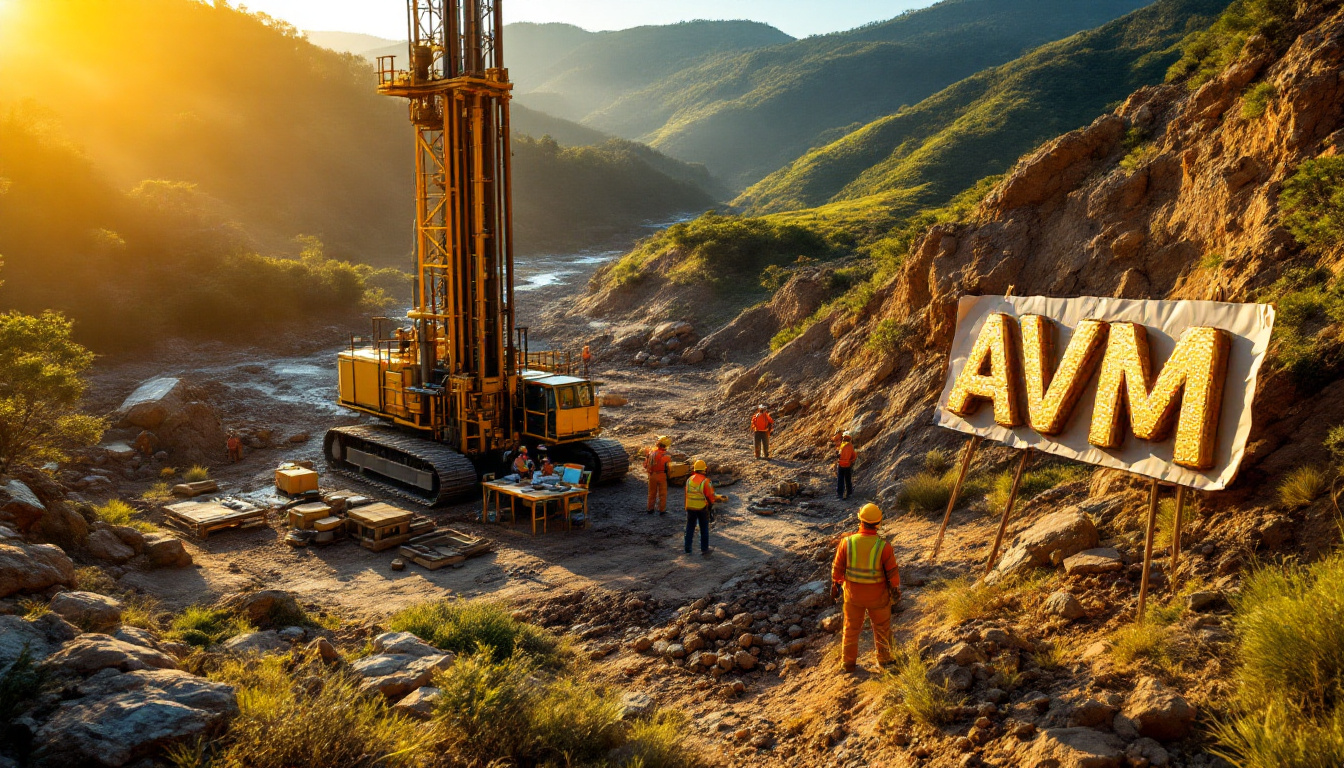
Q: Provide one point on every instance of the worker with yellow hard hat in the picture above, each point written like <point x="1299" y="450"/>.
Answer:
<point x="656" y="463"/>
<point x="865" y="571"/>
<point x="700" y="500"/>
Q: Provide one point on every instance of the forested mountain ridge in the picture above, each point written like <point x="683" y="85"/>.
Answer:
<point x="980" y="126"/>
<point x="746" y="114"/>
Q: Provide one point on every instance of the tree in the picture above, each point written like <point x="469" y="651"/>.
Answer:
<point x="41" y="385"/>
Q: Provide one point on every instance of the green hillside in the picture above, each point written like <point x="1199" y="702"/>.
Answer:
<point x="608" y="65"/>
<point x="746" y="115"/>
<point x="983" y="124"/>
<point x="531" y="122"/>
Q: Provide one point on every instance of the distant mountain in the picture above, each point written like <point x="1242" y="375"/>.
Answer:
<point x="746" y="114"/>
<point x="983" y="124"/>
<point x="538" y="124"/>
<point x="606" y="66"/>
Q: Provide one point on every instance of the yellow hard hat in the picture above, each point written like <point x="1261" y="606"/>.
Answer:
<point x="870" y="514"/>
<point x="699" y="465"/>
<point x="664" y="441"/>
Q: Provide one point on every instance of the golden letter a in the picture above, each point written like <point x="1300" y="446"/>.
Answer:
<point x="988" y="374"/>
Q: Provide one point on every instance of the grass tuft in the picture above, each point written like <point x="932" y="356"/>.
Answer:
<point x="196" y="474"/>
<point x="207" y="627"/>
<point x="1256" y="100"/>
<point x="464" y="626"/>
<point x="1034" y="483"/>
<point x="909" y="690"/>
<point x="118" y="512"/>
<point x="158" y="493"/>
<point x="1288" y="706"/>
<point x="1302" y="486"/>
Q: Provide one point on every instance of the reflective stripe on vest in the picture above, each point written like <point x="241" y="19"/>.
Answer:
<point x="864" y="567"/>
<point x="695" y="494"/>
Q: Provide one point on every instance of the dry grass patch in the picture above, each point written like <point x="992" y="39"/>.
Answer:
<point x="196" y="474"/>
<point x="1302" y="486"/>
<point x="909" y="692"/>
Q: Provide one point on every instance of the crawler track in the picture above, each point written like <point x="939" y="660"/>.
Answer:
<point x="422" y="470"/>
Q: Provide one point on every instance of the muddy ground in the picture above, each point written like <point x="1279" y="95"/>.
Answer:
<point x="623" y="550"/>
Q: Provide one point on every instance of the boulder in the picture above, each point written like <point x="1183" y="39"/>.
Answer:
<point x="105" y="544"/>
<point x="396" y="674"/>
<point x="91" y="653"/>
<point x="256" y="643"/>
<point x="194" y="433"/>
<point x="324" y="649"/>
<point x="136" y="636"/>
<point x="1073" y="748"/>
<point x="744" y="661"/>
<point x="404" y="643"/>
<point x="635" y="705"/>
<point x="951" y="677"/>
<point x="164" y="551"/>
<point x="151" y="403"/>
<point x="419" y="703"/>
<point x="1205" y="600"/>
<point x="1064" y="605"/>
<point x="1090" y="561"/>
<point x="32" y="567"/>
<point x="1066" y="532"/>
<point x="962" y="654"/>
<point x="264" y="608"/>
<point x="20" y="508"/>
<point x="129" y="536"/>
<point x="41" y="637"/>
<point x="128" y="717"/>
<point x="1159" y="712"/>
<point x="1149" y="750"/>
<point x="61" y="525"/>
<point x="88" y="610"/>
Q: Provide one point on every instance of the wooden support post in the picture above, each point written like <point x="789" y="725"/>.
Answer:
<point x="1148" y="548"/>
<point x="1176" y="531"/>
<point x="1007" y="511"/>
<point x="966" y="457"/>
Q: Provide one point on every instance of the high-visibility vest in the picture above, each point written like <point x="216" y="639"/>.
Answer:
<point x="864" y="562"/>
<point x="695" y="492"/>
<point x="657" y="462"/>
<point x="847" y="454"/>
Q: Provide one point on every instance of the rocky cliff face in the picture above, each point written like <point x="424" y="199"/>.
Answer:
<point x="1174" y="195"/>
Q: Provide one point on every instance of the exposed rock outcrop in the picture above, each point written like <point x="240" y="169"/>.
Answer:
<point x="26" y="567"/>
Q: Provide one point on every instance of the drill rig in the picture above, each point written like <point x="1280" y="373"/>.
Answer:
<point x="453" y="383"/>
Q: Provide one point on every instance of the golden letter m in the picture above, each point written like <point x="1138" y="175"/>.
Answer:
<point x="1193" y="377"/>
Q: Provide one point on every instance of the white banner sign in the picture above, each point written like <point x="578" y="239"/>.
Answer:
<point x="1158" y="388"/>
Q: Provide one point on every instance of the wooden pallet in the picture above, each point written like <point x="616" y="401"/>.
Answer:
<point x="202" y="518"/>
<point x="431" y="558"/>
<point x="469" y="546"/>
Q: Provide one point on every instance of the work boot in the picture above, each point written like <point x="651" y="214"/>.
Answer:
<point x="850" y="666"/>
<point x="648" y="511"/>
<point x="662" y="512"/>
<point x="707" y="552"/>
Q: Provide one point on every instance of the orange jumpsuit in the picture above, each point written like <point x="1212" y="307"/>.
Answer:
<point x="872" y="582"/>
<point x="656" y="466"/>
<point x="761" y="427"/>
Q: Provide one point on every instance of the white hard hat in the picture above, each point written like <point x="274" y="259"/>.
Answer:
<point x="845" y="433"/>
<point x="761" y="407"/>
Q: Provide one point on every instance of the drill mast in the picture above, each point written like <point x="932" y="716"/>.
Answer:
<point x="459" y="94"/>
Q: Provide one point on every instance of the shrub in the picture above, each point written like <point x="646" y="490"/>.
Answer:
<point x="141" y="611"/>
<point x="773" y="277"/>
<point x="196" y="474"/>
<point x="206" y="627"/>
<point x="486" y="705"/>
<point x="1288" y="706"/>
<point x="1256" y="100"/>
<point x="1137" y="157"/>
<point x="91" y="578"/>
<point x="306" y="716"/>
<point x="1302" y="486"/>
<point x="1310" y="308"/>
<point x="909" y="690"/>
<point x="781" y="339"/>
<point x="888" y="337"/>
<point x="42" y="373"/>
<point x="1334" y="443"/>
<point x="1149" y="641"/>
<point x="1312" y="203"/>
<point x="966" y="598"/>
<point x="168" y="473"/>
<point x="464" y="626"/>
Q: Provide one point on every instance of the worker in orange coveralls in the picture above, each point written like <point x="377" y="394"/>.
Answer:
<point x="235" y="448"/>
<point x="656" y="464"/>
<point x="865" y="570"/>
<point x="762" y="426"/>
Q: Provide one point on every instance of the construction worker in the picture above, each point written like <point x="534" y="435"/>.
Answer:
<point x="866" y="574"/>
<point x="656" y="464"/>
<point x="700" y="500"/>
<point x="587" y="359"/>
<point x="844" y="466"/>
<point x="235" y="446"/>
<point x="547" y="467"/>
<point x="762" y="427"/>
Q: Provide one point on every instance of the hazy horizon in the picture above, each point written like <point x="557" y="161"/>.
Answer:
<point x="387" y="18"/>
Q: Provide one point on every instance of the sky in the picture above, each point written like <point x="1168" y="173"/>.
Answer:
<point x="800" y="18"/>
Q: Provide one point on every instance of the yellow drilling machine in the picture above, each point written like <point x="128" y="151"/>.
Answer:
<point x="454" y="383"/>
